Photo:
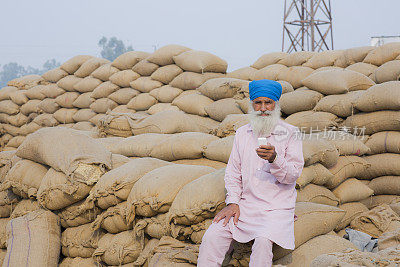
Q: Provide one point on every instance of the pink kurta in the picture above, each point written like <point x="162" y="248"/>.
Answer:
<point x="265" y="191"/>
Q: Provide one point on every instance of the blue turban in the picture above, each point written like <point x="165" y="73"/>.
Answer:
<point x="265" y="88"/>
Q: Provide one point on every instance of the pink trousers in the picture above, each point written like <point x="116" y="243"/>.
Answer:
<point x="217" y="240"/>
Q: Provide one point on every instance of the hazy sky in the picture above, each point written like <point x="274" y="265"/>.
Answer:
<point x="238" y="31"/>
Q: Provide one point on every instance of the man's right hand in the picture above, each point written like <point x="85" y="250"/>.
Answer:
<point x="232" y="210"/>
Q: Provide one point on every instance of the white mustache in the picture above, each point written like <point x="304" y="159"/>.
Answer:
<point x="259" y="113"/>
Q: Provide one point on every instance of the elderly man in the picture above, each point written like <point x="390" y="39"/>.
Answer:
<point x="260" y="178"/>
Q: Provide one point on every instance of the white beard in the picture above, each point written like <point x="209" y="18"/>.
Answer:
<point x="263" y="125"/>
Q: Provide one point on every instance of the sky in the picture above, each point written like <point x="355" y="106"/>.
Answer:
<point x="238" y="31"/>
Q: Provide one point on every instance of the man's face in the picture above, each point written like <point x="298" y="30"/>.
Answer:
<point x="263" y="104"/>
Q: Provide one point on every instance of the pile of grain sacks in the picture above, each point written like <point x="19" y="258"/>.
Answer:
<point x="139" y="176"/>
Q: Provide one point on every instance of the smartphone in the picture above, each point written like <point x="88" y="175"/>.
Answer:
<point x="262" y="141"/>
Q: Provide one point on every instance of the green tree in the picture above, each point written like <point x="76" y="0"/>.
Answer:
<point x="112" y="48"/>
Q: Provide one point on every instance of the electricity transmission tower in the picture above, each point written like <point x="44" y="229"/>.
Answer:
<point x="307" y="25"/>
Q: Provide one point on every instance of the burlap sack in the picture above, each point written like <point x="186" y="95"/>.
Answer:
<point x="115" y="186"/>
<point x="89" y="66"/>
<point x="342" y="105"/>
<point x="202" y="162"/>
<point x="11" y="130"/>
<point x="104" y="72"/>
<point x="83" y="115"/>
<point x="156" y="226"/>
<point x="17" y="120"/>
<point x="389" y="239"/>
<point x="188" y="145"/>
<point x="112" y="220"/>
<point x="230" y="124"/>
<point x="118" y="160"/>
<point x="193" y="104"/>
<point x="29" y="128"/>
<point x="77" y="214"/>
<point x="317" y="194"/>
<point x="299" y="100"/>
<point x="377" y="221"/>
<point x="139" y="145"/>
<point x="191" y="80"/>
<point x="304" y="254"/>
<point x="86" y="126"/>
<point x="129" y="59"/>
<point x="191" y="206"/>
<point x="373" y="122"/>
<point x="104" y="90"/>
<point x="204" y="124"/>
<point x="363" y="68"/>
<point x="294" y="75"/>
<point x="347" y="167"/>
<point x="118" y="124"/>
<point x="118" y="249"/>
<point x="200" y="62"/>
<point x="164" y="55"/>
<point x="6" y="91"/>
<point x="145" y="68"/>
<point x="123" y="78"/>
<point x="165" y="94"/>
<point x="74" y="63"/>
<point x="160" y="107"/>
<point x="296" y="58"/>
<point x="41" y="228"/>
<point x="78" y="261"/>
<point x="19" y="97"/>
<point x="270" y="72"/>
<point x="65" y="115"/>
<point x="220" y="88"/>
<point x="8" y="201"/>
<point x="156" y="190"/>
<point x="54" y="75"/>
<point x="220" y="150"/>
<point x="380" y="97"/>
<point x="16" y="141"/>
<point x="141" y="102"/>
<point x="319" y="151"/>
<point x="357" y="54"/>
<point x="220" y="109"/>
<point x="323" y="59"/>
<point x="87" y="84"/>
<point x="26" y="82"/>
<point x="268" y="59"/>
<point x="386" y="164"/>
<point x="68" y="82"/>
<point x="311" y="121"/>
<point x="9" y="107"/>
<point x="382" y="142"/>
<point x="3" y="232"/>
<point x="103" y="105"/>
<point x="48" y="105"/>
<point x="45" y="120"/>
<point x="123" y="109"/>
<point x="30" y="107"/>
<point x="65" y="100"/>
<point x="383" y="54"/>
<point x="374" y="201"/>
<point x="352" y="209"/>
<point x="123" y="95"/>
<point x="385" y="185"/>
<point x="80" y="241"/>
<point x="83" y="101"/>
<point x="352" y="190"/>
<point x="315" y="173"/>
<point x="243" y="73"/>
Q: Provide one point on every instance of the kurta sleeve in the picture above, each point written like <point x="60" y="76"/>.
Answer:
<point x="287" y="168"/>
<point x="233" y="175"/>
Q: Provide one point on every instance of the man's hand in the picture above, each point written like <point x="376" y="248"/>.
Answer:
<point x="267" y="152"/>
<point x="232" y="210"/>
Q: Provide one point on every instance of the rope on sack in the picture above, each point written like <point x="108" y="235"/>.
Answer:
<point x="29" y="243"/>
<point x="386" y="135"/>
<point x="12" y="241"/>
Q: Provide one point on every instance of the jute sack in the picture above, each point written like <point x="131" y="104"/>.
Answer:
<point x="114" y="186"/>
<point x="383" y="142"/>
<point x="54" y="75"/>
<point x="65" y="100"/>
<point x="83" y="101"/>
<point x="164" y="55"/>
<point x="57" y="192"/>
<point x="68" y="82"/>
<point x="83" y="115"/>
<point x="102" y="105"/>
<point x="123" y="77"/>
<point x="243" y="73"/>
<point x="11" y="130"/>
<point x="78" y="261"/>
<point x="86" y="126"/>
<point x="19" y="97"/>
<point x="74" y="63"/>
<point x="18" y="120"/>
<point x="377" y="221"/>
<point x="80" y="241"/>
<point x="220" y="150"/>
<point x="104" y="72"/>
<point x="332" y="82"/>
<point x="315" y="173"/>
<point x="374" y="201"/>
<point x="311" y="121"/>
<point x="385" y="185"/>
<point x="364" y="68"/>
<point x="188" y="145"/>
<point x="389" y="239"/>
<point x="346" y="143"/>
<point x="374" y="122"/>
<point x="192" y="206"/>
<point x="24" y="178"/>
<point x="160" y="107"/>
<point x="319" y="151"/>
<point x="299" y="100"/>
<point x="145" y="68"/>
<point x="156" y="226"/>
<point x="352" y="190"/>
<point x="356" y="54"/>
<point x="193" y="104"/>
<point x="347" y="167"/>
<point x="77" y="214"/>
<point x="26" y="82"/>
<point x="342" y="105"/>
<point x="166" y="93"/>
<point x="145" y="84"/>
<point x="294" y="75"/>
<point x="268" y="59"/>
<point x="118" y="249"/>
<point x="156" y="190"/>
<point x="191" y="80"/>
<point x="380" y="97"/>
<point x="220" y="88"/>
<point x="200" y="61"/>
<point x="317" y="194"/>
<point x="118" y="160"/>
<point x="112" y="220"/>
<point x="49" y="105"/>
<point x="45" y="120"/>
<point x="124" y="109"/>
<point x="220" y="109"/>
<point x="296" y="58"/>
<point x="89" y="66"/>
<point x="383" y="54"/>
<point x="304" y="254"/>
<point x="65" y="115"/>
<point x="202" y="162"/>
<point x="352" y="209"/>
<point x="3" y="232"/>
<point x="118" y="124"/>
<point x="386" y="164"/>
<point x="6" y="91"/>
<point x="87" y="84"/>
<point x="142" y="102"/>
<point x="129" y="59"/>
<point x="287" y="87"/>
<point x="30" y="107"/>
<point x="166" y="74"/>
<point x="41" y="228"/>
<point x="230" y="124"/>
<point x="109" y="143"/>
<point x="270" y="72"/>
<point x="395" y="206"/>
<point x="9" y="107"/>
<point x="323" y="59"/>
<point x="313" y="220"/>
<point x="104" y="90"/>
<point x="165" y="122"/>
<point x="199" y="231"/>
<point x="123" y="95"/>
<point x="138" y="145"/>
<point x="204" y="124"/>
<point x="29" y="128"/>
<point x="16" y="141"/>
<point x="8" y="201"/>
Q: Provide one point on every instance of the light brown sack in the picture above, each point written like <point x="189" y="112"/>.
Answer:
<point x="374" y="201"/>
<point x="191" y="80"/>
<point x="83" y="115"/>
<point x="65" y="115"/>
<point x="311" y="121"/>
<point x="141" y="102"/>
<point x="296" y="58"/>
<point x="220" y="88"/>
<point x="245" y="73"/>
<point x="87" y="84"/>
<point x="220" y="109"/>
<point x="164" y="55"/>
<point x="77" y="214"/>
<point x="123" y="109"/>
<point x="188" y="145"/>
<point x="220" y="150"/>
<point x="294" y="75"/>
<point x="389" y="239"/>
<point x="352" y="209"/>
<point x="45" y="120"/>
<point x="156" y="226"/>
<point x="342" y="105"/>
<point x="129" y="59"/>
<point x="318" y="150"/>
<point x="346" y="144"/>
<point x="68" y="82"/>
<point x="268" y="59"/>
<point x="9" y="107"/>
<point x="104" y="72"/>
<point x="8" y="201"/>
<point x="202" y="162"/>
<point x="380" y="97"/>
<point x="323" y="59"/>
<point x="6" y="91"/>
<point x="145" y="84"/>
<point x="80" y="241"/>
<point x="41" y="228"/>
<point x="315" y="173"/>
<point x="383" y="53"/>
<point x="386" y="164"/>
<point x="166" y="74"/>
<point x="16" y="141"/>
<point x="123" y="78"/>
<point x="165" y="94"/>
<point x="200" y="62"/>
<point x="17" y="120"/>
<point x="49" y="105"/>
<point x="193" y="103"/>
<point x="26" y="82"/>
<point x="138" y="145"/>
<point x="317" y="194"/>
<point x="65" y="100"/>
<point x="123" y="95"/>
<point x="230" y="124"/>
<point x="382" y="142"/>
<point x="115" y="186"/>
<point x="352" y="190"/>
<point x="78" y="261"/>
<point x="160" y="107"/>
<point x="74" y="63"/>
<point x="364" y="68"/>
<point x="145" y="68"/>
<point x="30" y="107"/>
<point x="104" y="89"/>
<point x="373" y="122"/>
<point x="83" y="101"/>
<point x="54" y="75"/>
<point x="112" y="220"/>
<point x="356" y="54"/>
<point x="3" y="232"/>
<point x="118" y="124"/>
<point x="270" y="72"/>
<point x="118" y="160"/>
<point x="89" y="66"/>
<point x="203" y="124"/>
<point x="29" y="128"/>
<point x="299" y="100"/>
<point x="19" y="97"/>
<point x="385" y="185"/>
<point x="102" y="105"/>
<point x="156" y="190"/>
